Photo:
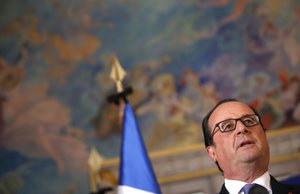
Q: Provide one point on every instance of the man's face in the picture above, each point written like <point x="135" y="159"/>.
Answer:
<point x="242" y="147"/>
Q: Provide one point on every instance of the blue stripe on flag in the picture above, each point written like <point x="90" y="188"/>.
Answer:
<point x="135" y="167"/>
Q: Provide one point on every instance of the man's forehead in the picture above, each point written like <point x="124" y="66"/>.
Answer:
<point x="229" y="110"/>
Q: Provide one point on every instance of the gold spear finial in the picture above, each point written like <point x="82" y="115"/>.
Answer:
<point x="117" y="73"/>
<point x="94" y="165"/>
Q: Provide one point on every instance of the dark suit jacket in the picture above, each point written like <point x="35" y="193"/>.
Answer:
<point x="277" y="188"/>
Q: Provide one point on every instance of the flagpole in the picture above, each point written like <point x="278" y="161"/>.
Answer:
<point x="136" y="175"/>
<point x="94" y="163"/>
<point x="94" y="166"/>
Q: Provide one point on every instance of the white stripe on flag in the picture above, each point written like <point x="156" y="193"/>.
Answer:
<point x="126" y="189"/>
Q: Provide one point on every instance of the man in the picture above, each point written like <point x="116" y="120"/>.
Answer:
<point x="236" y="141"/>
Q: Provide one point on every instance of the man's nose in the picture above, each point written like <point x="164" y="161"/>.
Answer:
<point x="240" y="127"/>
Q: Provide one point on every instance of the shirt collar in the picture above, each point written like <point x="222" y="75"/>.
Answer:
<point x="234" y="186"/>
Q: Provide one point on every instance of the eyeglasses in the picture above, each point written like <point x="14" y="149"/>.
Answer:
<point x="230" y="124"/>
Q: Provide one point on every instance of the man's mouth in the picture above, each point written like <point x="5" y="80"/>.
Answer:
<point x="244" y="143"/>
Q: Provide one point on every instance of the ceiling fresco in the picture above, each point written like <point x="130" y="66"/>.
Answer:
<point x="181" y="57"/>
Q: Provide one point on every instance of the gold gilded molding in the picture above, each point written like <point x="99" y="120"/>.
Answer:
<point x="199" y="147"/>
<point x="214" y="171"/>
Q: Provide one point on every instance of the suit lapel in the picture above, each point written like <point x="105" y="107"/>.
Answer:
<point x="223" y="190"/>
<point x="278" y="188"/>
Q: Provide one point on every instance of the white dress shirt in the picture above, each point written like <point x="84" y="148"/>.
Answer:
<point x="235" y="186"/>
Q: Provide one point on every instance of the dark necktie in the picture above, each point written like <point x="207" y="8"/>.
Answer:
<point x="254" y="189"/>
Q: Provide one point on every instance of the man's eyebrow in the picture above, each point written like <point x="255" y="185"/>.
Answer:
<point x="248" y="114"/>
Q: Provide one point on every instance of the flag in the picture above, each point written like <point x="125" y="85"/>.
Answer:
<point x="136" y="175"/>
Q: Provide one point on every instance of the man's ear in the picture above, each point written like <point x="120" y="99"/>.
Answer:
<point x="210" y="150"/>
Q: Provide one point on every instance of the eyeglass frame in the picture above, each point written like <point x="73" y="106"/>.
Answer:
<point x="235" y="122"/>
